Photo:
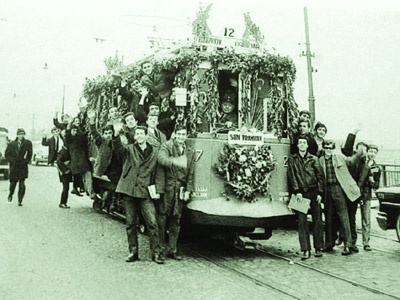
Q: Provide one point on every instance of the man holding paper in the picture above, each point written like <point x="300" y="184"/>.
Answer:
<point x="174" y="179"/>
<point x="306" y="180"/>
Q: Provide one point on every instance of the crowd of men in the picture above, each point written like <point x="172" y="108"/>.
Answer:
<point x="142" y="150"/>
<point x="342" y="181"/>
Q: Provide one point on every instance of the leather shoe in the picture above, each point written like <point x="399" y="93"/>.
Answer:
<point x="19" y="203"/>
<point x="328" y="249"/>
<point x="367" y="248"/>
<point x="75" y="192"/>
<point x="346" y="251"/>
<point x="132" y="257"/>
<point x="354" y="249"/>
<point x="305" y="255"/>
<point x="63" y="206"/>
<point x="158" y="259"/>
<point x="318" y="253"/>
<point x="9" y="198"/>
<point x="174" y="256"/>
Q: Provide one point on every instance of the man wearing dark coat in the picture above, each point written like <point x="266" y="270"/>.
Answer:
<point x="138" y="172"/>
<point x="174" y="179"/>
<point x="53" y="143"/>
<point x="18" y="153"/>
<point x="64" y="173"/>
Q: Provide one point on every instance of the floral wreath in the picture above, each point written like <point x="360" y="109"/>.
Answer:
<point x="246" y="170"/>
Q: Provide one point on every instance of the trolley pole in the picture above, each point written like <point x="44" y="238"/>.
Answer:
<point x="308" y="54"/>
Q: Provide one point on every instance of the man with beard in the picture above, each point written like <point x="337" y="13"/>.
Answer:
<point x="18" y="153"/>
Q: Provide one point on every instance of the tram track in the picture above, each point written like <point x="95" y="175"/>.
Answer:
<point x="234" y="268"/>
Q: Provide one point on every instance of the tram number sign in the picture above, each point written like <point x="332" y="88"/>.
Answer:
<point x="239" y="138"/>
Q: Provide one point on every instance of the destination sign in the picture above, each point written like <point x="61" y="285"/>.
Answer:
<point x="239" y="138"/>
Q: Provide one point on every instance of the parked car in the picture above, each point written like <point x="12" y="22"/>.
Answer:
<point x="4" y="167"/>
<point x="40" y="154"/>
<point x="389" y="208"/>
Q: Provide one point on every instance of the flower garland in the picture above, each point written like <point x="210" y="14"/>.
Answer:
<point x="279" y="70"/>
<point x="246" y="169"/>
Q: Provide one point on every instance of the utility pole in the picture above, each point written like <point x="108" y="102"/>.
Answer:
<point x="63" y="100"/>
<point x="308" y="54"/>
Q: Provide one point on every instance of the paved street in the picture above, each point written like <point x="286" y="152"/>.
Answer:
<point x="51" y="253"/>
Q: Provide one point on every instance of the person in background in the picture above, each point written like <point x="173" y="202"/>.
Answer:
<point x="53" y="143"/>
<point x="229" y="114"/>
<point x="320" y="133"/>
<point x="307" y="180"/>
<point x="305" y="114"/>
<point x="369" y="177"/>
<point x="304" y="129"/>
<point x="18" y="153"/>
<point x="154" y="137"/>
<point x="174" y="179"/>
<point x="64" y="173"/>
<point x="138" y="172"/>
<point x="129" y="128"/>
<point x="64" y="121"/>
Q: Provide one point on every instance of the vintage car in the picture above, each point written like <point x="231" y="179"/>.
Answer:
<point x="4" y="168"/>
<point x="389" y="208"/>
<point x="40" y="154"/>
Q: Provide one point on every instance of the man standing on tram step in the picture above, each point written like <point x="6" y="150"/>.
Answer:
<point x="369" y="176"/>
<point x="307" y="180"/>
<point x="138" y="173"/>
<point x="304" y="129"/>
<point x="18" y="153"/>
<point x="107" y="161"/>
<point x="53" y="143"/>
<point x="174" y="179"/>
<point x="339" y="184"/>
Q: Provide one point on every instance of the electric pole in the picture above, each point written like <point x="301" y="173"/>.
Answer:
<point x="63" y="99"/>
<point x="308" y="54"/>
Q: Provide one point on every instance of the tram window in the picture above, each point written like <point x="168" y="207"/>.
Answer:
<point x="228" y="95"/>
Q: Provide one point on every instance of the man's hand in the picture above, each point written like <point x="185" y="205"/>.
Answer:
<point x="228" y="124"/>
<point x="117" y="127"/>
<point x="187" y="196"/>
<point x="180" y="161"/>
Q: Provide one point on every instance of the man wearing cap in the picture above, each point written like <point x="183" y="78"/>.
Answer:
<point x="18" y="153"/>
<point x="138" y="173"/>
<point x="54" y="144"/>
<point x="229" y="116"/>
<point x="369" y="174"/>
<point x="174" y="179"/>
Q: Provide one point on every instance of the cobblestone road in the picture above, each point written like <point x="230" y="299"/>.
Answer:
<point x="50" y="253"/>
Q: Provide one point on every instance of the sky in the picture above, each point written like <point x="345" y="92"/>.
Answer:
<point x="355" y="45"/>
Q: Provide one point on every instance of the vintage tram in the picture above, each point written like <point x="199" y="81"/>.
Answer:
<point x="240" y="175"/>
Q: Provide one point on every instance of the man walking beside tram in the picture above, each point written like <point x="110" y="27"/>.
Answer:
<point x="174" y="179"/>
<point x="306" y="180"/>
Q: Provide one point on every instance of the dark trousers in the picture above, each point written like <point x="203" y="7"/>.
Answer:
<point x="64" y="194"/>
<point x="304" y="231"/>
<point x="21" y="189"/>
<point x="352" y="210"/>
<point x="169" y="219"/>
<point x="146" y="206"/>
<point x="77" y="181"/>
<point x="336" y="204"/>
